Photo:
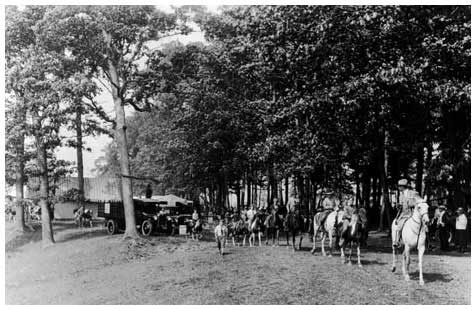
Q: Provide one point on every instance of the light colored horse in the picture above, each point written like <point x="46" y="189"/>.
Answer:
<point x="353" y="235"/>
<point x="330" y="224"/>
<point x="413" y="236"/>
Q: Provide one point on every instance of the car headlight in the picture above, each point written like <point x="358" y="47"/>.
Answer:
<point x="155" y="217"/>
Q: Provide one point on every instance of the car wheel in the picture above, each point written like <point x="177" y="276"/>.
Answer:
<point x="147" y="227"/>
<point x="111" y="227"/>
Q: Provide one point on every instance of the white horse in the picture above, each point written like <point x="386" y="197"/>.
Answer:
<point x="330" y="225"/>
<point x="413" y="236"/>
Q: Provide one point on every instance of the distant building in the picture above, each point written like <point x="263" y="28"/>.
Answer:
<point x="96" y="190"/>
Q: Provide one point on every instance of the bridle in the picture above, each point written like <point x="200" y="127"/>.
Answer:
<point x="420" y="222"/>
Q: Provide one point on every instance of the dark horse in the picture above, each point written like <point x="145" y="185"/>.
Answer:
<point x="273" y="224"/>
<point x="237" y="228"/>
<point x="294" y="224"/>
<point x="195" y="229"/>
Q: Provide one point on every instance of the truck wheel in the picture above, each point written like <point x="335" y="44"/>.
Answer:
<point x="111" y="226"/>
<point x="147" y="227"/>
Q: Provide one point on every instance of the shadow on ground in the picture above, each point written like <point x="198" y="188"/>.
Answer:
<point x="431" y="277"/>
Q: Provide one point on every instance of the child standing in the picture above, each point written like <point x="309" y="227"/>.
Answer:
<point x="220" y="236"/>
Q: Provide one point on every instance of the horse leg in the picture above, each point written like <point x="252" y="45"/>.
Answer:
<point x="313" y="243"/>
<point x="350" y="253"/>
<point x="294" y="241"/>
<point x="421" y="250"/>
<point x="330" y="243"/>
<point x="323" y="241"/>
<point x="394" y="259"/>
<point x="342" y="254"/>
<point x="300" y="242"/>
<point x="358" y="255"/>
<point x="259" y="238"/>
<point x="252" y="235"/>
<point x="405" y="261"/>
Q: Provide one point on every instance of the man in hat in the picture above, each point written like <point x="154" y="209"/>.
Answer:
<point x="408" y="199"/>
<point x="443" y="229"/>
<point x="461" y="227"/>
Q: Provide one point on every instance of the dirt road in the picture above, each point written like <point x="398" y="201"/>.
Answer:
<point x="89" y="267"/>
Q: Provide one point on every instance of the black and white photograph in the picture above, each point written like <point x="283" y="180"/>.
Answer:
<point x="246" y="154"/>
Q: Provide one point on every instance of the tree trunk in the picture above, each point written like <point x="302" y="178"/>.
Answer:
<point x="248" y="189"/>
<point x="286" y="191"/>
<point x="121" y="139"/>
<point x="79" y="156"/>
<point x="419" y="175"/>
<point x="19" y="179"/>
<point x="385" y="210"/>
<point x="46" y="225"/>
<point x="374" y="192"/>
<point x="357" y="195"/>
<point x="280" y="192"/>
<point x="366" y="190"/>
<point x="428" y="161"/>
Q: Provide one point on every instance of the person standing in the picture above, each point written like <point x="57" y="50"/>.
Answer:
<point x="148" y="191"/>
<point x="460" y="234"/>
<point x="220" y="236"/>
<point x="443" y="222"/>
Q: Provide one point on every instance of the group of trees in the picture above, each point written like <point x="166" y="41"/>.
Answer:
<point x="328" y="98"/>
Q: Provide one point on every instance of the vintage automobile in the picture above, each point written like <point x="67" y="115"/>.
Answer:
<point x="151" y="216"/>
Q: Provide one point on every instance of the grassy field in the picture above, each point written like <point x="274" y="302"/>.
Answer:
<point x="89" y="267"/>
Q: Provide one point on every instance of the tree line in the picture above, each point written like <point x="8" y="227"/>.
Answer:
<point x="327" y="98"/>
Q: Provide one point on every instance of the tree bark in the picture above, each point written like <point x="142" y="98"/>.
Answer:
<point x="374" y="192"/>
<point x="419" y="175"/>
<point x="121" y="139"/>
<point x="286" y="191"/>
<point x="46" y="225"/>
<point x="385" y="210"/>
<point x="79" y="155"/>
<point x="248" y="188"/>
<point x="366" y="189"/>
<point x="19" y="180"/>
<point x="428" y="161"/>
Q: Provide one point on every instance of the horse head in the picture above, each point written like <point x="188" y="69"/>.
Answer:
<point x="421" y="211"/>
<point x="355" y="225"/>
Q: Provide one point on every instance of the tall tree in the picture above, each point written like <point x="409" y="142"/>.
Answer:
<point x="112" y="40"/>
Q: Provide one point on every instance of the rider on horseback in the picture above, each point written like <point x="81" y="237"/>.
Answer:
<point x="408" y="199"/>
<point x="324" y="211"/>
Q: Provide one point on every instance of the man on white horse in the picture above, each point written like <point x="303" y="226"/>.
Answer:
<point x="408" y="199"/>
